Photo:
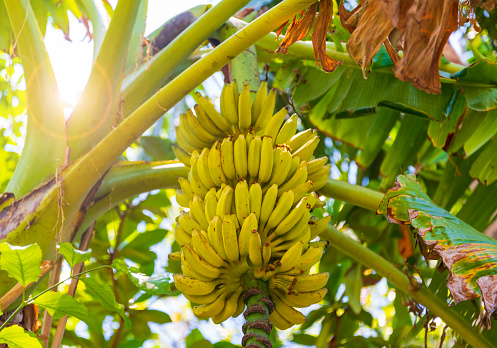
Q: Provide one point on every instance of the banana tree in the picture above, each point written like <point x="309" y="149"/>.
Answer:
<point x="60" y="189"/>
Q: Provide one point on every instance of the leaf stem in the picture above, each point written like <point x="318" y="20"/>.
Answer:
<point x="424" y="296"/>
<point x="354" y="194"/>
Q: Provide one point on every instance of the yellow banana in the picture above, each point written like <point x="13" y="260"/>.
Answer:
<point x="206" y="251"/>
<point x="311" y="282"/>
<point x="244" y="108"/>
<point x="288" y="129"/>
<point x="225" y="201"/>
<point x="273" y="126"/>
<point x="311" y="199"/>
<point x="211" y="193"/>
<point x="255" y="250"/>
<point x="287" y="312"/>
<point x="208" y="310"/>
<point x="197" y="185"/>
<point x="174" y="256"/>
<point x="319" y="183"/>
<point x="181" y="155"/>
<point x="197" y="208"/>
<point x="230" y="239"/>
<point x="268" y="203"/>
<point x="301" y="190"/>
<point x="310" y="258"/>
<point x="279" y="321"/>
<point x="281" y="210"/>
<point x="215" y="166"/>
<point x="182" y="199"/>
<point x="293" y="168"/>
<point x="285" y="243"/>
<point x="183" y="143"/>
<point x="194" y="286"/>
<point x="188" y="134"/>
<point x="291" y="257"/>
<point x="209" y="109"/>
<point x="199" y="264"/>
<point x="281" y="166"/>
<point x="294" y="232"/>
<point x="260" y="99"/>
<point x="266" y="253"/>
<point x="215" y="234"/>
<point x="255" y="198"/>
<point x="227" y="160"/>
<point x="187" y="223"/>
<point x="303" y="299"/>
<point x="186" y="187"/>
<point x="228" y="105"/>
<point x="300" y="139"/>
<point x="292" y="218"/>
<point x="234" y="89"/>
<point x="212" y="296"/>
<point x="316" y="164"/>
<point x="266" y="111"/>
<point x="254" y="156"/>
<point x="181" y="237"/>
<point x="188" y="271"/>
<point x="250" y="136"/>
<point x="305" y="151"/>
<point x="266" y="161"/>
<point x="193" y="125"/>
<point x="230" y="306"/>
<point x="318" y="226"/>
<point x="207" y="123"/>
<point x="203" y="169"/>
<point x="242" y="201"/>
<point x="240" y="156"/>
<point x="298" y="178"/>
<point x="210" y="207"/>
<point x="249" y="225"/>
<point x="240" y="306"/>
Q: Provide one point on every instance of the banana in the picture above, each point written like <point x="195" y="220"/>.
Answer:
<point x="279" y="321"/>
<point x="227" y="160"/>
<point x="228" y="105"/>
<point x="281" y="166"/>
<point x="281" y="210"/>
<point x="280" y="249"/>
<point x="193" y="286"/>
<point x="250" y="136"/>
<point x="242" y="201"/>
<point x="255" y="198"/>
<point x="311" y="199"/>
<point x="311" y="282"/>
<point x="230" y="240"/>
<point x="240" y="306"/>
<point x="305" y="151"/>
<point x="181" y="155"/>
<point x="183" y="143"/>
<point x="288" y="129"/>
<point x="174" y="256"/>
<point x="294" y="232"/>
<point x="212" y="296"/>
<point x="193" y="159"/>
<point x="197" y="185"/>
<point x="291" y="257"/>
<point x="300" y="139"/>
<point x="254" y="156"/>
<point x="273" y="126"/>
<point x="181" y="237"/>
<point x="215" y="234"/>
<point x="260" y="99"/>
<point x="209" y="109"/>
<point x="318" y="226"/>
<point x="211" y="193"/>
<point x="202" y="246"/>
<point x="310" y="258"/>
<point x="292" y="218"/>
<point x="266" y="111"/>
<point x="214" y="165"/>
<point x="187" y="223"/>
<point x="255" y="250"/>
<point x="287" y="312"/>
<point x="230" y="307"/>
<point x="234" y="89"/>
<point x="319" y="203"/>
<point x="324" y="171"/>
<point x="316" y="164"/>
<point x="199" y="264"/>
<point x="301" y="190"/>
<point x="208" y="310"/>
<point x="225" y="201"/>
<point x="197" y="208"/>
<point x="240" y="156"/>
<point x="193" y="125"/>
<point x="203" y="169"/>
<point x="266" y="161"/>
<point x="188" y="271"/>
<point x="188" y="134"/>
<point x="210" y="207"/>
<point x="235" y="221"/>
<point x="298" y="178"/>
<point x="207" y="123"/>
<point x="293" y="168"/>
<point x="182" y="199"/>
<point x="244" y="108"/>
<point x="186" y="187"/>
<point x="266" y="253"/>
<point x="303" y="299"/>
<point x="268" y="204"/>
<point x="249" y="225"/>
<point x="319" y="183"/>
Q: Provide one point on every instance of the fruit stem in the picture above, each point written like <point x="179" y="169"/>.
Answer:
<point x="257" y="327"/>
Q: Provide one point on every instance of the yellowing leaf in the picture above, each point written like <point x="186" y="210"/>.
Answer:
<point x="323" y="21"/>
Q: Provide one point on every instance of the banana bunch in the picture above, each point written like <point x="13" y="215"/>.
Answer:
<point x="248" y="200"/>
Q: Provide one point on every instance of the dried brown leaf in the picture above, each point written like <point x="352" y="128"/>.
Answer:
<point x="428" y="28"/>
<point x="397" y="10"/>
<point x="298" y="29"/>
<point x="323" y="22"/>
<point x="345" y="15"/>
<point x="372" y="28"/>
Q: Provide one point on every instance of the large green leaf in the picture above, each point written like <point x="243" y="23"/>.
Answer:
<point x="21" y="263"/>
<point x="15" y="337"/>
<point x="59" y="305"/>
<point x="72" y="255"/>
<point x="469" y="255"/>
